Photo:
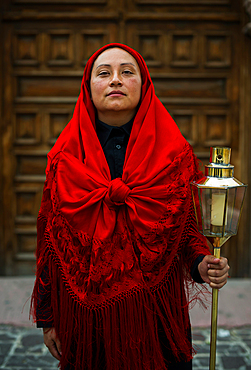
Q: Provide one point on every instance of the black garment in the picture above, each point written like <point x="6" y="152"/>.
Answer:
<point x="114" y="142"/>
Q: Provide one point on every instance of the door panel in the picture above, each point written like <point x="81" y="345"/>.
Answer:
<point x="192" y="51"/>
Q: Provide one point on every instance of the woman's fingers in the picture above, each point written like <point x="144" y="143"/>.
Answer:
<point x="52" y="342"/>
<point x="217" y="282"/>
<point x="218" y="273"/>
<point x="214" y="271"/>
<point x="58" y="345"/>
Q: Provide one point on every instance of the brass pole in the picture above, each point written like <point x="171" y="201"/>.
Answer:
<point x="214" y="313"/>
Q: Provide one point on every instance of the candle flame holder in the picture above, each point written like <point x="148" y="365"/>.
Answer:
<point x="218" y="201"/>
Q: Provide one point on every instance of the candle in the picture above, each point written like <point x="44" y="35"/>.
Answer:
<point x="217" y="210"/>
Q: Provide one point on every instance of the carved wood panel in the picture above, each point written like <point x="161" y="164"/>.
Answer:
<point x="191" y="49"/>
<point x="217" y="50"/>
<point x="26" y="48"/>
<point x="183" y="2"/>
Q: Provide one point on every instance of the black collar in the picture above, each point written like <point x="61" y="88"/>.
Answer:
<point x="104" y="130"/>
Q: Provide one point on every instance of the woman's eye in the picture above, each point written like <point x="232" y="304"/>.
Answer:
<point x="103" y="73"/>
<point x="127" y="72"/>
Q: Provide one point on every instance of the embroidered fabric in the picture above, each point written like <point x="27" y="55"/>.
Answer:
<point x="96" y="276"/>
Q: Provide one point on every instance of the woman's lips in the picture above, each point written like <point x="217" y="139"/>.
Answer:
<point x="116" y="93"/>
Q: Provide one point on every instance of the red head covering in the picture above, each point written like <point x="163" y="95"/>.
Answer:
<point x="115" y="248"/>
<point x="154" y="142"/>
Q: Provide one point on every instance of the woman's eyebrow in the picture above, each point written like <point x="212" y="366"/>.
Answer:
<point x="103" y="65"/>
<point x="126" y="64"/>
<point x="109" y="65"/>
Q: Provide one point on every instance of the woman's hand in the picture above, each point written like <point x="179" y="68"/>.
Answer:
<point x="214" y="271"/>
<point x="52" y="342"/>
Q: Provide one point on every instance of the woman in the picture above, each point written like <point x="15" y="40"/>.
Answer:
<point x="117" y="236"/>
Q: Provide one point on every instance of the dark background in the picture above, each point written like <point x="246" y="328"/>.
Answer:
<point x="199" y="57"/>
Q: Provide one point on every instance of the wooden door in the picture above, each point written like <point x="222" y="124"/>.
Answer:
<point x="193" y="51"/>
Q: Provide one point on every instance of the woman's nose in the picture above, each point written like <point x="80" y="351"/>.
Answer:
<point x="115" y="80"/>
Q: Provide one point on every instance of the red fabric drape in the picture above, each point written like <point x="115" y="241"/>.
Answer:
<point x="117" y="249"/>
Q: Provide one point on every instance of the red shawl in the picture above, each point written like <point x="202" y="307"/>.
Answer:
<point x="118" y="251"/>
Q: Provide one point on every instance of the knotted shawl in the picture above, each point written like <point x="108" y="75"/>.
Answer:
<point x="118" y="251"/>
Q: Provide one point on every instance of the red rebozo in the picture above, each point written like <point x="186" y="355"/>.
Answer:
<point x="118" y="252"/>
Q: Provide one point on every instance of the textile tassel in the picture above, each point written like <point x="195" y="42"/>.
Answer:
<point x="181" y="348"/>
<point x="126" y="328"/>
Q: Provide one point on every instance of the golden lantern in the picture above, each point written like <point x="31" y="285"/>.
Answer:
<point x="218" y="200"/>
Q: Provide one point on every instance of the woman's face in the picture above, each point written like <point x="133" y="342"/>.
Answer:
<point x="115" y="86"/>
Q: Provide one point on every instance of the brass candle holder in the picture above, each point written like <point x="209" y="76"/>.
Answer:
<point x="218" y="201"/>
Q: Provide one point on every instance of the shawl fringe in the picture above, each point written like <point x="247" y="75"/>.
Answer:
<point x="124" y="330"/>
